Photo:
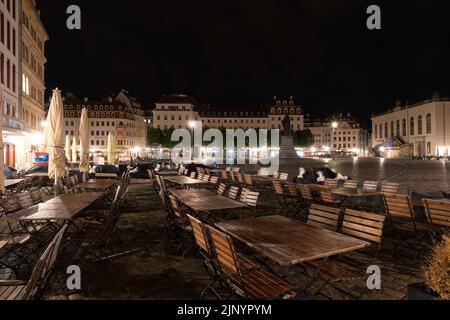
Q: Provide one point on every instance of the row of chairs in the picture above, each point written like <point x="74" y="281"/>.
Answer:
<point x="385" y="187"/>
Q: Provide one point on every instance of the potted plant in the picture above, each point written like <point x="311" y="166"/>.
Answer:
<point x="437" y="275"/>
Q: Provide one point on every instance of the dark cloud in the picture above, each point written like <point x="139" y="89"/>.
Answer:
<point x="238" y="52"/>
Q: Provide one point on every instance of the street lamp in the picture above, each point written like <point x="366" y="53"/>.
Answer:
<point x="334" y="126"/>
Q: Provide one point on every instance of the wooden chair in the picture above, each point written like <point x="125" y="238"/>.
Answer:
<point x="240" y="179"/>
<point x="251" y="199"/>
<point x="25" y="200"/>
<point x="305" y="193"/>
<point x="193" y="175"/>
<point x="352" y="184"/>
<point x="330" y="183"/>
<point x="276" y="175"/>
<point x="389" y="187"/>
<point x="233" y="193"/>
<point x="222" y="189"/>
<point x="438" y="211"/>
<point x="200" y="176"/>
<point x="248" y="180"/>
<point x="326" y="195"/>
<point x="17" y="290"/>
<point x="206" y="178"/>
<point x="324" y="217"/>
<point x="370" y="185"/>
<point x="399" y="207"/>
<point x="224" y="175"/>
<point x="36" y="195"/>
<point x="180" y="213"/>
<point x="364" y="226"/>
<point x="257" y="283"/>
<point x="283" y="176"/>
<point x="186" y="172"/>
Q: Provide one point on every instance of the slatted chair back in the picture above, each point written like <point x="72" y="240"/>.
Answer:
<point x="225" y="252"/>
<point x="363" y="225"/>
<point x="292" y="190"/>
<point x="326" y="196"/>
<point x="206" y="178"/>
<point x="370" y="185"/>
<point x="10" y="204"/>
<point x="330" y="183"/>
<point x="44" y="267"/>
<point x="251" y="198"/>
<point x="248" y="179"/>
<point x="177" y="208"/>
<point x="222" y="189"/>
<point x="233" y="193"/>
<point x="200" y="176"/>
<point x="240" y="178"/>
<point x="36" y="195"/>
<point x="438" y="212"/>
<point x="72" y="181"/>
<point x="151" y="174"/>
<point x="283" y="176"/>
<point x="233" y="177"/>
<point x="389" y="187"/>
<point x="243" y="194"/>
<point x="193" y="175"/>
<point x="324" y="217"/>
<point x="161" y="182"/>
<point x="305" y="192"/>
<point x="214" y="180"/>
<point x="224" y="174"/>
<point x="398" y="206"/>
<point x="186" y="172"/>
<point x="276" y="175"/>
<point x="200" y="235"/>
<point x="351" y="184"/>
<point x="278" y="187"/>
<point x="25" y="200"/>
<point x="200" y="170"/>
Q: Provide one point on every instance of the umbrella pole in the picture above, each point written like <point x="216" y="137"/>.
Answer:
<point x="56" y="183"/>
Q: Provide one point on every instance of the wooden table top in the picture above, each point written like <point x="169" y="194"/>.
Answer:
<point x="37" y="174"/>
<point x="167" y="173"/>
<point x="350" y="192"/>
<point x="12" y="182"/>
<point x="183" y="180"/>
<point x="107" y="175"/>
<point x="200" y="200"/>
<point x="289" y="242"/>
<point x="64" y="207"/>
<point x="102" y="184"/>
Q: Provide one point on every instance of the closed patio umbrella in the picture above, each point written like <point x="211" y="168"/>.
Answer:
<point x="2" y="174"/>
<point x="67" y="149"/>
<point x="84" y="144"/>
<point x="54" y="137"/>
<point x="74" y="150"/>
<point x="111" y="148"/>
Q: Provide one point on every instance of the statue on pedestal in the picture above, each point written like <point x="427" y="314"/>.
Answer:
<point x="287" y="126"/>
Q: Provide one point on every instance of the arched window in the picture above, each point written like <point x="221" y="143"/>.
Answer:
<point x="428" y="123"/>
<point x="392" y="129"/>
<point x="386" y="133"/>
<point x="419" y="125"/>
<point x="411" y="126"/>
<point x="404" y="131"/>
<point x="375" y="130"/>
<point x="381" y="131"/>
<point x="397" y="132"/>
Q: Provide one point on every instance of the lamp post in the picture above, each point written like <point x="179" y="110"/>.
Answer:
<point x="334" y="126"/>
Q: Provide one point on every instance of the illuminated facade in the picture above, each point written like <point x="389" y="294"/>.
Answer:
<point x="421" y="130"/>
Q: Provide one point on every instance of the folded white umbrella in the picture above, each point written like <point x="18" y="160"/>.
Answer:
<point x="67" y="149"/>
<point x="54" y="137"/>
<point x="111" y="148"/>
<point x="74" y="150"/>
<point x="84" y="142"/>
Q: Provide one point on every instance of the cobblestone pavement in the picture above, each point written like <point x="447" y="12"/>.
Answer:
<point x="147" y="262"/>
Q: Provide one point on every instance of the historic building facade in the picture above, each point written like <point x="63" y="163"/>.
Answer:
<point x="421" y="130"/>
<point x="22" y="61"/>
<point x="120" y="114"/>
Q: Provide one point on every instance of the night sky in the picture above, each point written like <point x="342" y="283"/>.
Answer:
<point x="242" y="52"/>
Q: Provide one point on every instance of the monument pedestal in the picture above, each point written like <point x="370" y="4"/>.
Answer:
<point x="287" y="150"/>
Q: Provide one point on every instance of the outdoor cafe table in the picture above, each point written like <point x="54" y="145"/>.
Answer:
<point x="12" y="182"/>
<point x="37" y="174"/>
<point x="106" y="176"/>
<point x="167" y="173"/>
<point x="200" y="200"/>
<point x="64" y="207"/>
<point x="185" y="181"/>
<point x="100" y="185"/>
<point x="289" y="242"/>
<point x="350" y="192"/>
